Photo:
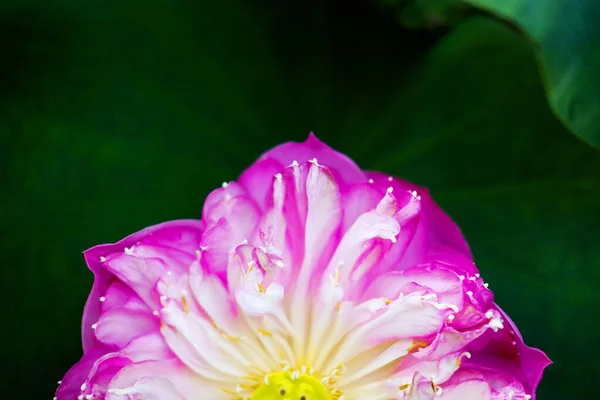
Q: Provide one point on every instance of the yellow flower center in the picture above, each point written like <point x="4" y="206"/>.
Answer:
<point x="284" y="386"/>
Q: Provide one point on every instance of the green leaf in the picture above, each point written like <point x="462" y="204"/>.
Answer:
<point x="567" y="37"/>
<point x="122" y="116"/>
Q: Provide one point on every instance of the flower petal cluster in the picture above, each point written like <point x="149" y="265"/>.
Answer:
<point x="306" y="279"/>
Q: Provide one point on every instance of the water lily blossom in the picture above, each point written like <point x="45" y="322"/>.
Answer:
<point x="307" y="279"/>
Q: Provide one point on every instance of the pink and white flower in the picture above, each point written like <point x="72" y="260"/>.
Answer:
<point x="306" y="279"/>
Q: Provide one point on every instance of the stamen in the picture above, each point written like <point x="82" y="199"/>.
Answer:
<point x="184" y="304"/>
<point x="459" y="359"/>
<point x="265" y="332"/>
<point x="416" y="346"/>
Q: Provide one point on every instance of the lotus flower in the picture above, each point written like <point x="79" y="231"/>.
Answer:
<point x="308" y="279"/>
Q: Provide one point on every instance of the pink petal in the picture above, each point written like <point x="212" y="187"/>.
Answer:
<point x="506" y="351"/>
<point x="188" y="335"/>
<point x="147" y="347"/>
<point x="70" y="386"/>
<point x="140" y="274"/>
<point x="368" y="226"/>
<point x="343" y="168"/>
<point x="469" y="390"/>
<point x="257" y="179"/>
<point x="102" y="373"/>
<point x="182" y="234"/>
<point x="448" y="341"/>
<point x="120" y="325"/>
<point x="408" y="318"/>
<point x="213" y="297"/>
<point x="533" y="361"/>
<point x="119" y="295"/>
<point x="322" y="221"/>
<point x="148" y="389"/>
<point x="144" y="348"/>
<point x="435" y="230"/>
<point x="357" y="200"/>
<point x="187" y="384"/>
<point x="217" y="243"/>
<point x="233" y="204"/>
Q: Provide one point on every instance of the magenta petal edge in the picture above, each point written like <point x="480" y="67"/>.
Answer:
<point x="307" y="279"/>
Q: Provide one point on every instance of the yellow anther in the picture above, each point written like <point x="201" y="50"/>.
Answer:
<point x="434" y="387"/>
<point x="260" y="287"/>
<point x="339" y="369"/>
<point x="265" y="332"/>
<point x="223" y="333"/>
<point x="251" y="387"/>
<point x="253" y="376"/>
<point x="260" y="371"/>
<point x="185" y="305"/>
<point x="416" y="346"/>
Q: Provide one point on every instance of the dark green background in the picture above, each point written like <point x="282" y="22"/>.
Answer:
<point x="118" y="115"/>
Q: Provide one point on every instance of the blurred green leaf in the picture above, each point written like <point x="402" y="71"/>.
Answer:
<point x="118" y="116"/>
<point x="567" y="35"/>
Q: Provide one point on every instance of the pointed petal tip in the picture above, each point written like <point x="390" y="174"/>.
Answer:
<point x="344" y="169"/>
<point x="314" y="142"/>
